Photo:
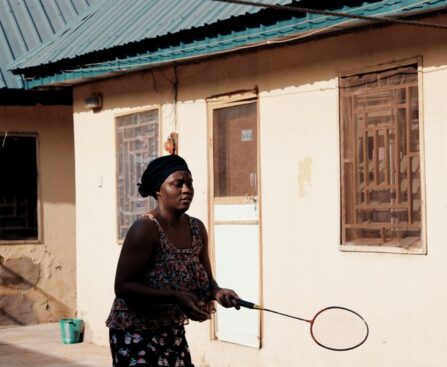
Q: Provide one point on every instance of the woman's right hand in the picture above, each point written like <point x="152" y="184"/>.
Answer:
<point x="192" y="307"/>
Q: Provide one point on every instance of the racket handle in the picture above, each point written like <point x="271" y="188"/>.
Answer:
<point x="247" y="304"/>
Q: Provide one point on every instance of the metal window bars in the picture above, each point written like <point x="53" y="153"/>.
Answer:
<point x="381" y="193"/>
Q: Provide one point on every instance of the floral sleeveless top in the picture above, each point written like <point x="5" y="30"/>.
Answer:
<point x="170" y="269"/>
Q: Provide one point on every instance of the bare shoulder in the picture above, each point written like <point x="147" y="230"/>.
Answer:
<point x="143" y="231"/>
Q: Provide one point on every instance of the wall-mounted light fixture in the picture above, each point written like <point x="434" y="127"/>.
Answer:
<point x="93" y="102"/>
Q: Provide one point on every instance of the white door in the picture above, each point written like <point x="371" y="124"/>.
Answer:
<point x="235" y="214"/>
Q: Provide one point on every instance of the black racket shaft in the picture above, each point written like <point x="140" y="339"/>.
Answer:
<point x="254" y="306"/>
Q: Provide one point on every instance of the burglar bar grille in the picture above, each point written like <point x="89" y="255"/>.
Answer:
<point x="137" y="144"/>
<point x="381" y="186"/>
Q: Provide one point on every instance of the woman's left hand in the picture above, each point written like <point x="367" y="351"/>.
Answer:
<point x="226" y="297"/>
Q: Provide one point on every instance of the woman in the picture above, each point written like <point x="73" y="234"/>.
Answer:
<point x="164" y="274"/>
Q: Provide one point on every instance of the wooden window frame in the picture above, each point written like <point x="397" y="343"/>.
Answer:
<point x="421" y="246"/>
<point x="37" y="240"/>
<point x="157" y="108"/>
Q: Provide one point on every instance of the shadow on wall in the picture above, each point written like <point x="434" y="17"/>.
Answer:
<point x="20" y="292"/>
<point x="4" y="315"/>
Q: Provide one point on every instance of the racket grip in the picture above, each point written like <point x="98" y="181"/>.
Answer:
<point x="246" y="304"/>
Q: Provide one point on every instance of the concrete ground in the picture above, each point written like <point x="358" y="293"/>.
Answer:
<point x="41" y="346"/>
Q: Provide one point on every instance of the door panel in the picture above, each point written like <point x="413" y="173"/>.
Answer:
<point x="238" y="244"/>
<point x="235" y="212"/>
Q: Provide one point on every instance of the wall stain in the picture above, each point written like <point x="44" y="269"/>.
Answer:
<point x="17" y="310"/>
<point x="22" y="300"/>
<point x="19" y="273"/>
<point x="304" y="176"/>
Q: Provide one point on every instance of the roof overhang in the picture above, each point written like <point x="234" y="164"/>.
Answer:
<point x="282" y="32"/>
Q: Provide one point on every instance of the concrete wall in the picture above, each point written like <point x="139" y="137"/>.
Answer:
<point x="37" y="280"/>
<point x="402" y="296"/>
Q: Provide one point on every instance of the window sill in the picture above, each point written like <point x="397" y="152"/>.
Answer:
<point x="392" y="249"/>
<point x="21" y="242"/>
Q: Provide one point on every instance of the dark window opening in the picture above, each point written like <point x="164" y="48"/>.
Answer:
<point x="18" y="188"/>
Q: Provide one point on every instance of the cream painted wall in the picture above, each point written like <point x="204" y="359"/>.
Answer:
<point x="96" y="228"/>
<point x="401" y="296"/>
<point x="54" y="295"/>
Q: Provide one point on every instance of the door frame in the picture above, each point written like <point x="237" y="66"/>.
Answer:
<point x="232" y="99"/>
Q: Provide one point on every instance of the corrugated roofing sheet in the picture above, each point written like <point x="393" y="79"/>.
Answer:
<point x="120" y="22"/>
<point x="25" y="24"/>
<point x="99" y="30"/>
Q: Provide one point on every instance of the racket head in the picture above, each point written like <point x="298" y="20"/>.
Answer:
<point x="338" y="328"/>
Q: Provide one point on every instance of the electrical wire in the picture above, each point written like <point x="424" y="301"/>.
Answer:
<point x="297" y="9"/>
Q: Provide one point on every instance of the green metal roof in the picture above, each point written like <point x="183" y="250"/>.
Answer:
<point x="250" y="31"/>
<point x="25" y="24"/>
<point x="117" y="23"/>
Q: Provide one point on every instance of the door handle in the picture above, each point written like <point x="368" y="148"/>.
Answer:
<point x="252" y="199"/>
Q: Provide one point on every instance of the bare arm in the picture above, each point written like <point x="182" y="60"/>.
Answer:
<point x="225" y="297"/>
<point x="138" y="249"/>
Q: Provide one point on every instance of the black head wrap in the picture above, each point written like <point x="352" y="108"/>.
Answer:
<point x="157" y="171"/>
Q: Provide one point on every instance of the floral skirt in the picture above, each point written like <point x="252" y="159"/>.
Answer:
<point x="166" y="346"/>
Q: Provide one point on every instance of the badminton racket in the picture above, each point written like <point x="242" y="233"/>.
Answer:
<point x="334" y="328"/>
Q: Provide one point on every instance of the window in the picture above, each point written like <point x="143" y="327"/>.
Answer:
<point x="380" y="159"/>
<point x="235" y="145"/>
<point x="137" y="144"/>
<point x="18" y="188"/>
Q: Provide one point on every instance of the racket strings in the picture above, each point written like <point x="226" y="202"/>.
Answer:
<point x="339" y="329"/>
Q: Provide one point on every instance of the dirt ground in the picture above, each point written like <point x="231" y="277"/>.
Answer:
<point x="41" y="346"/>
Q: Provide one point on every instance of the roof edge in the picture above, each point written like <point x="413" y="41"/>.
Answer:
<point x="281" y="33"/>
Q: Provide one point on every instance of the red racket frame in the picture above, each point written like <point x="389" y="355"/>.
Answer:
<point x="252" y="305"/>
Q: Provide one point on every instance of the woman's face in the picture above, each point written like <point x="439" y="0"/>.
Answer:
<point x="177" y="191"/>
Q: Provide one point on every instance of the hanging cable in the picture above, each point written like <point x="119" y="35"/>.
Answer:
<point x="296" y="9"/>
<point x="175" y="86"/>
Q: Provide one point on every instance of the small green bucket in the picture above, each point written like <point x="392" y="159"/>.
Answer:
<point x="72" y="331"/>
